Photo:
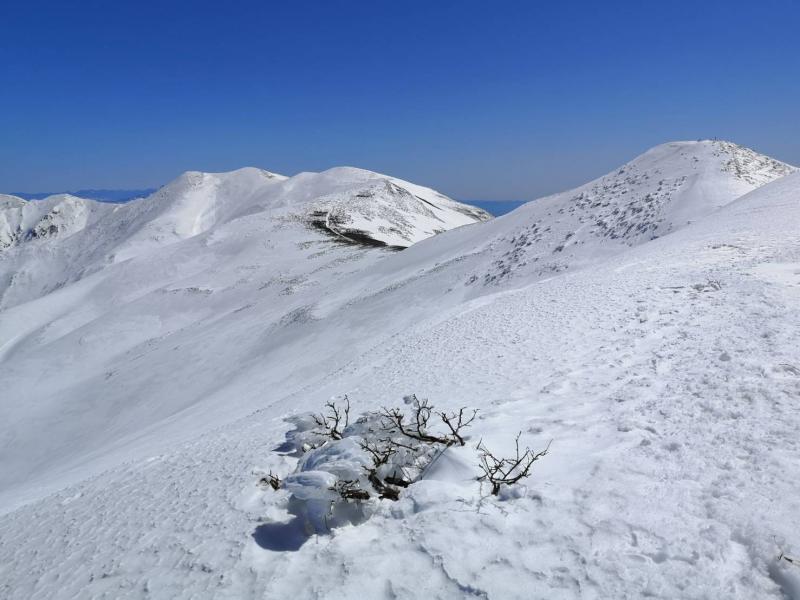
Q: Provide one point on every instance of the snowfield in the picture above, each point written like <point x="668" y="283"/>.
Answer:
<point x="648" y="323"/>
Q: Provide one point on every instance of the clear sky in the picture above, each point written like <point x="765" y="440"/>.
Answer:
<point x="482" y="100"/>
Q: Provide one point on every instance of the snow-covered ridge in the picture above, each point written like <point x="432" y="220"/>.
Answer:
<point x="356" y="205"/>
<point x="353" y="203"/>
<point x="342" y="204"/>
<point x="656" y="194"/>
<point x="56" y="216"/>
<point x="659" y="192"/>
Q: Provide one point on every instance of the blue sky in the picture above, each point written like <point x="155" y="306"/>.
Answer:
<point x="482" y="100"/>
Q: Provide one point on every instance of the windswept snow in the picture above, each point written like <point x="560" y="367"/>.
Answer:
<point x="657" y="346"/>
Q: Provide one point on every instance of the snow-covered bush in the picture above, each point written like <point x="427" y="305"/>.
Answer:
<point x="323" y="485"/>
<point x="346" y="468"/>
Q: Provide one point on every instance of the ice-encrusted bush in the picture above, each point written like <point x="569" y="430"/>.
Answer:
<point x="346" y="468"/>
<point x="319" y="483"/>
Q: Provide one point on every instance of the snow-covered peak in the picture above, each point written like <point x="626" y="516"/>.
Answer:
<point x="340" y="206"/>
<point x="656" y="193"/>
<point x="7" y="201"/>
<point x="381" y="210"/>
<point x="354" y="205"/>
<point x="667" y="187"/>
<point x="744" y="163"/>
<point x="189" y="205"/>
<point x="57" y="216"/>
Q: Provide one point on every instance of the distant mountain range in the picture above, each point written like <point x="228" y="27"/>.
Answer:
<point x="91" y="194"/>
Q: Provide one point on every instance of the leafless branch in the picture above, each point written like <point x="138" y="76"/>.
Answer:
<point x="416" y="427"/>
<point x="333" y="423"/>
<point x="398" y="481"/>
<point x="350" y="490"/>
<point x="789" y="559"/>
<point x="380" y="451"/>
<point x="457" y="421"/>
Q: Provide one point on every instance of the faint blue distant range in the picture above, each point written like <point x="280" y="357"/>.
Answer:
<point x="99" y="195"/>
<point x="496" y="207"/>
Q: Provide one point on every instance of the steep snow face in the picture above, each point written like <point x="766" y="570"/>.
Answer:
<point x="188" y="206"/>
<point x="11" y="211"/>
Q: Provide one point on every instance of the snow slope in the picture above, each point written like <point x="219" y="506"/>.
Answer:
<point x="202" y="281"/>
<point x="664" y="370"/>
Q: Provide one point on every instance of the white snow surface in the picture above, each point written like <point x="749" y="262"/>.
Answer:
<point x="648" y="323"/>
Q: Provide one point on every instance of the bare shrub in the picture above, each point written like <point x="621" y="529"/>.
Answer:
<point x="271" y="480"/>
<point x="344" y="469"/>
<point x="508" y="471"/>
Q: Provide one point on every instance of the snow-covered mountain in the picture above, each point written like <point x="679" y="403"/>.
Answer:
<point x="347" y="205"/>
<point x="100" y="195"/>
<point x="659" y="192"/>
<point x="53" y="218"/>
<point x="646" y="322"/>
